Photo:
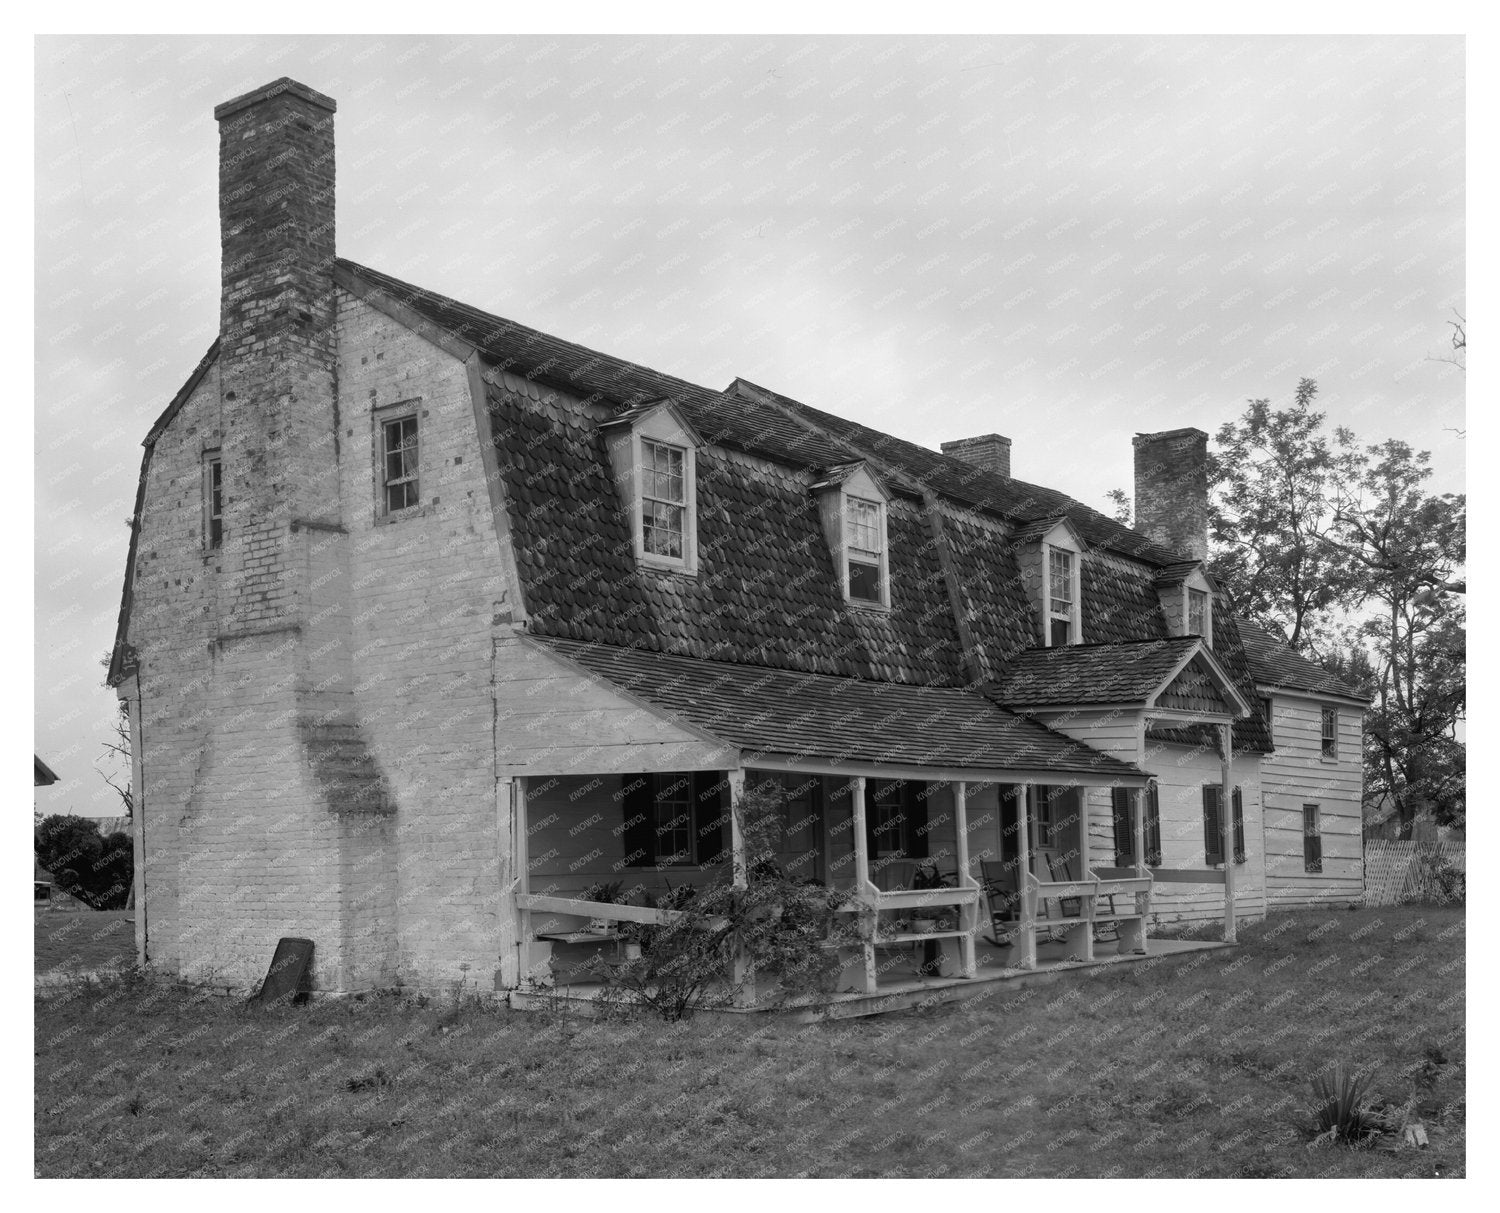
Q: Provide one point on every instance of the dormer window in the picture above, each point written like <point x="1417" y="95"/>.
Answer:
<point x="1062" y="606"/>
<point x="663" y="499"/>
<point x="854" y="508"/>
<point x="1197" y="613"/>
<point x="653" y="451"/>
<point x="866" y="550"/>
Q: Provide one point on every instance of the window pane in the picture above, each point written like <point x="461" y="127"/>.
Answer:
<point x="864" y="581"/>
<point x="662" y="528"/>
<point x="673" y="810"/>
<point x="864" y="525"/>
<point x="1330" y="733"/>
<point x="662" y="472"/>
<point x="401" y="459"/>
<point x="1197" y="613"/>
<point x="1061" y="574"/>
<point x="1061" y="633"/>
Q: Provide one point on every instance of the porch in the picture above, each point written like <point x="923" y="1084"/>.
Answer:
<point x="903" y="987"/>
<point x="933" y="881"/>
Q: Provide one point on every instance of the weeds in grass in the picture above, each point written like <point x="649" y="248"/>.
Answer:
<point x="1342" y="1109"/>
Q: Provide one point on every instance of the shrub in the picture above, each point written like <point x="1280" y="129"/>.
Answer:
<point x="1342" y="1109"/>
<point x="1435" y="880"/>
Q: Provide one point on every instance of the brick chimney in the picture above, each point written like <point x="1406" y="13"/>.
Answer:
<point x="988" y="451"/>
<point x="1171" y="489"/>
<point x="276" y="341"/>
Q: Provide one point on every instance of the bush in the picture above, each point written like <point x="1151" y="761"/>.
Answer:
<point x="783" y="928"/>
<point x="1435" y="880"/>
<point x="97" y="870"/>
<point x="1342" y="1108"/>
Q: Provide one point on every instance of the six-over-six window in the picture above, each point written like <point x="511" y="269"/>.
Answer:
<point x="400" y="450"/>
<point x="663" y="499"/>
<point x="1330" y="733"/>
<point x="866" y="549"/>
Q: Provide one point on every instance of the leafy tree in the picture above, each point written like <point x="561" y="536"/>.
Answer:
<point x="94" y="868"/>
<point x="1408" y="548"/>
<point x="1271" y="513"/>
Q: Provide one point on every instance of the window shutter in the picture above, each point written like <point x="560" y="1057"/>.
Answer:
<point x="1239" y="827"/>
<point x="639" y="835"/>
<point x="711" y="815"/>
<point x="1213" y="849"/>
<point x="1124" y="834"/>
<point x="1153" y="827"/>
<point x="914" y="807"/>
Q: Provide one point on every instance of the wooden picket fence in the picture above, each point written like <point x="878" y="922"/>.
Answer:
<point x="1392" y="873"/>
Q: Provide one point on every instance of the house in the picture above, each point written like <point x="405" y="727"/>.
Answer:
<point x="43" y="776"/>
<point x="1312" y="782"/>
<point x="432" y="621"/>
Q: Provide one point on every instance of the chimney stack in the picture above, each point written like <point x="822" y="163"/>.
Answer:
<point x="276" y="342"/>
<point x="990" y="452"/>
<point x="1171" y="490"/>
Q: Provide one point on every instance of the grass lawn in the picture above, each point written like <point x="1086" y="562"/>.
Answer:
<point x="84" y="941"/>
<point x="1195" y="1067"/>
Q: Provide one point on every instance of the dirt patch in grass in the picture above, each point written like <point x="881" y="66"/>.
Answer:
<point x="84" y="941"/>
<point x="1193" y="1067"/>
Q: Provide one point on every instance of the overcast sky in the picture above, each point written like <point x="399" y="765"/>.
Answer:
<point x="1065" y="240"/>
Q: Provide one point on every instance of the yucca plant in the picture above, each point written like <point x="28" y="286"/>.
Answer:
<point x="1341" y="1106"/>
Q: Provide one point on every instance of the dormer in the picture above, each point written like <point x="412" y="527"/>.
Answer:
<point x="1050" y="553"/>
<point x="853" y="506"/>
<point x="1186" y="594"/>
<point x="653" y="452"/>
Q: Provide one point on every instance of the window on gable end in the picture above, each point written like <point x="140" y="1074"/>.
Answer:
<point x="400" y="450"/>
<point x="1330" y="736"/>
<point x="865" y="550"/>
<point x="213" y="501"/>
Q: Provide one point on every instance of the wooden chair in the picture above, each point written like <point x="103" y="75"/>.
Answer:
<point x="1059" y="869"/>
<point x="1002" y="895"/>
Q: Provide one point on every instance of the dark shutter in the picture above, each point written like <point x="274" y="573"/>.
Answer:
<point x="1213" y="837"/>
<point x="914" y="808"/>
<point x="1239" y="827"/>
<point x="1124" y="831"/>
<point x="711" y="815"/>
<point x="1153" y="827"/>
<point x="639" y="834"/>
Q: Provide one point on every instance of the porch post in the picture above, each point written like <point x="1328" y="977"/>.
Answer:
<point x="969" y="913"/>
<point x="1028" y="902"/>
<point x="520" y="850"/>
<point x="868" y="917"/>
<point x="1226" y="829"/>
<point x="742" y="972"/>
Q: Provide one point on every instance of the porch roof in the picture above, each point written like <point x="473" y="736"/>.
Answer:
<point x="1079" y="674"/>
<point x="841" y="720"/>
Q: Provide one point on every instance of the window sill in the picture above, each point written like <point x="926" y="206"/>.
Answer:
<point x="875" y="608"/>
<point x="426" y="509"/>
<point x="651" y="565"/>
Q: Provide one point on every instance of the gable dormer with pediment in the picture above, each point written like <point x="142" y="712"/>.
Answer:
<point x="1186" y="594"/>
<point x="653" y="454"/>
<point x="854" y="508"/>
<point x="1050" y="556"/>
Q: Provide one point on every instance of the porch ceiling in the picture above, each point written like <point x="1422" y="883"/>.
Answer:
<point x="841" y="720"/>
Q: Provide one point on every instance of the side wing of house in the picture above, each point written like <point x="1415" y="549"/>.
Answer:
<point x="1313" y="838"/>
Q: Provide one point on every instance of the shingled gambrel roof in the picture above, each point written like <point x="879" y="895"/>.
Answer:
<point x="1086" y="674"/>
<point x="766" y="593"/>
<point x="757" y="421"/>
<point x="1274" y="663"/>
<point x="849" y="720"/>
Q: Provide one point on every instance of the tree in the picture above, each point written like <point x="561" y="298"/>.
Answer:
<point x="1121" y="503"/>
<point x="1409" y="548"/>
<point x="117" y="749"/>
<point x="97" y="869"/>
<point x="1270" y="517"/>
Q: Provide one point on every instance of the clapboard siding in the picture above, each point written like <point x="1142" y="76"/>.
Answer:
<point x="1297" y="774"/>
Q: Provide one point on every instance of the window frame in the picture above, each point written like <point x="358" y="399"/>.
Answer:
<point x="1073" y="616"/>
<point x="1329" y="738"/>
<point x="213" y="468"/>
<point x="397" y="414"/>
<point x="847" y="507"/>
<point x="687" y="562"/>
<point x="1196" y="595"/>
<point x="1312" y="855"/>
<point x="646" y="476"/>
<point x="1268" y="710"/>
<point x="661" y="789"/>
<point x="1150" y="825"/>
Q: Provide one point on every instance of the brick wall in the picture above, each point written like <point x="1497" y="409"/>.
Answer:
<point x="1171" y="489"/>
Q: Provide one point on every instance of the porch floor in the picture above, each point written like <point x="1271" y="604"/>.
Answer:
<point x="901" y="986"/>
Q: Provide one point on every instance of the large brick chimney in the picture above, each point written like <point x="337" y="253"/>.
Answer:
<point x="1171" y="489"/>
<point x="988" y="451"/>
<point x="289" y="827"/>
<point x="276" y="341"/>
